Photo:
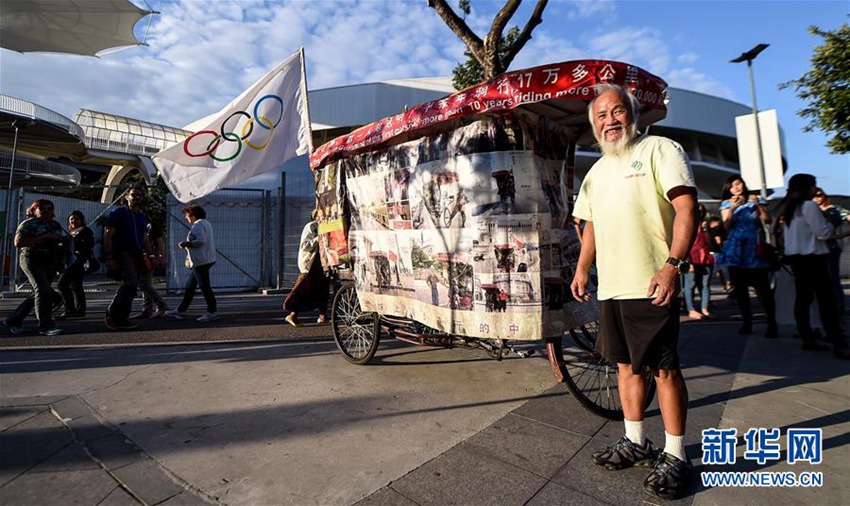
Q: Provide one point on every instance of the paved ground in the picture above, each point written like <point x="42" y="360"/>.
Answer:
<point x="249" y="410"/>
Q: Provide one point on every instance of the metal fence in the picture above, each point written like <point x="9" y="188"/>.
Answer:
<point x="22" y="198"/>
<point x="242" y="222"/>
<point x="257" y="234"/>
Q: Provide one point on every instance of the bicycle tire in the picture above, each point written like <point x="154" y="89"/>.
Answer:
<point x="585" y="336"/>
<point x="593" y="381"/>
<point x="356" y="332"/>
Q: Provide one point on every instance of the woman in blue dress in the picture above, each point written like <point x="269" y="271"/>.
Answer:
<point x="744" y="217"/>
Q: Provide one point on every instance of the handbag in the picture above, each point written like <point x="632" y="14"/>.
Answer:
<point x="91" y="266"/>
<point x="767" y="251"/>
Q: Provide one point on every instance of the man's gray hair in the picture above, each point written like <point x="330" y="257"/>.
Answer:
<point x="631" y="102"/>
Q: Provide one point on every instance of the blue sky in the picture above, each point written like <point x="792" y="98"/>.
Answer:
<point x="202" y="53"/>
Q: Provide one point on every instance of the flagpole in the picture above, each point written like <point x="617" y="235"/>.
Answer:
<point x="306" y="99"/>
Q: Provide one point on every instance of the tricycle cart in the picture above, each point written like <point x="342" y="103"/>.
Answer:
<point x="450" y="223"/>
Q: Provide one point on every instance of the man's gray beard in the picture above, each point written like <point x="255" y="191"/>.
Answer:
<point x="621" y="145"/>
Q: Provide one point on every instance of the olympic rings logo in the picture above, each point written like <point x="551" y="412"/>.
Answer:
<point x="225" y="135"/>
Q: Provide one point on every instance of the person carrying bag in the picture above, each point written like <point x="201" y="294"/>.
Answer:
<point x="82" y="262"/>
<point x="311" y="289"/>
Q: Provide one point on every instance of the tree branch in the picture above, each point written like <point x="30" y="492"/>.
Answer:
<point x="459" y="27"/>
<point x="494" y="37"/>
<point x="524" y="36"/>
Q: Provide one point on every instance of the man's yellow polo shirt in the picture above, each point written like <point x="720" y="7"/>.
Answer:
<point x="626" y="199"/>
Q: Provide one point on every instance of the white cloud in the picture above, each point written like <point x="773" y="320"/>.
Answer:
<point x="691" y="79"/>
<point x="201" y="55"/>
<point x="583" y="9"/>
<point x="687" y="58"/>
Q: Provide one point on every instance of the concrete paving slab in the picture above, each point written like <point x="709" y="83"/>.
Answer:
<point x="148" y="482"/>
<point x="557" y="408"/>
<point x="527" y="444"/>
<point x="290" y="422"/>
<point x="30" y="443"/>
<point x="114" y="451"/>
<point x="184" y="499"/>
<point x="71" y="408"/>
<point x="11" y="416"/>
<point x="782" y="386"/>
<point x="119" y="497"/>
<point x="118" y="456"/>
<point x="72" y="457"/>
<point x="553" y="494"/>
<point x="232" y="419"/>
<point x="623" y="487"/>
<point x="89" y="488"/>
<point x="386" y="497"/>
<point x="462" y="475"/>
<point x="38" y="401"/>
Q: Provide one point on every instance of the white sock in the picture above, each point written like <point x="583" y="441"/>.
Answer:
<point x="635" y="432"/>
<point x="675" y="446"/>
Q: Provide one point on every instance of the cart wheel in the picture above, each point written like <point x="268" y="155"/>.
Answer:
<point x="447" y="217"/>
<point x="585" y="336"/>
<point x="591" y="379"/>
<point x="355" y="332"/>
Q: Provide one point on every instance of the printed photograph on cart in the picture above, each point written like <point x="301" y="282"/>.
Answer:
<point x="464" y="231"/>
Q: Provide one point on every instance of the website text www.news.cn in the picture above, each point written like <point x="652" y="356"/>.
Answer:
<point x="802" y="445"/>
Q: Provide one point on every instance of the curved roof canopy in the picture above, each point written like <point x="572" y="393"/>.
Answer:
<point x="84" y="27"/>
<point x="35" y="133"/>
<point x="41" y="133"/>
<point x="126" y="135"/>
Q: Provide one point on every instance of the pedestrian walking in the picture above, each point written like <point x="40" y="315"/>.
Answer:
<point x="82" y="262"/>
<point x="806" y="231"/>
<point x="640" y="198"/>
<point x="128" y="256"/>
<point x="42" y="244"/>
<point x="745" y="217"/>
<point x="698" y="276"/>
<point x="311" y="289"/>
<point x="153" y="305"/>
<point x="837" y="216"/>
<point x="200" y="257"/>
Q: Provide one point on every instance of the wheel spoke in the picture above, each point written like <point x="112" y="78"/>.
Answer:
<point x="355" y="331"/>
<point x="590" y="378"/>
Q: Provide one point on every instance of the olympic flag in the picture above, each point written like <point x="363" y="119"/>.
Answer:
<point x="262" y="128"/>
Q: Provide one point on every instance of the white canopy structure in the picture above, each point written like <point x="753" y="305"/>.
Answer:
<point x="84" y="27"/>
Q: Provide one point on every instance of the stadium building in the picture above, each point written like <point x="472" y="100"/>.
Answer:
<point x="53" y="151"/>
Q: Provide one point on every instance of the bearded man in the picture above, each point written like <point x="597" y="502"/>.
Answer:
<point x="640" y="198"/>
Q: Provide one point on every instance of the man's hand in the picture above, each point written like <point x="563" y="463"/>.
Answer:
<point x="665" y="286"/>
<point x="579" y="287"/>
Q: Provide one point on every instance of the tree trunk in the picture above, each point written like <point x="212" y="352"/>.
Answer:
<point x="493" y="58"/>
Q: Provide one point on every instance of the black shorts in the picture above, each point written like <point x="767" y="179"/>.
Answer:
<point x="636" y="332"/>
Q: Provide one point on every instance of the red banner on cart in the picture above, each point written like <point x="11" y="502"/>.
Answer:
<point x="567" y="86"/>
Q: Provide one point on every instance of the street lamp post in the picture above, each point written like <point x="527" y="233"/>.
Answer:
<point x="748" y="57"/>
